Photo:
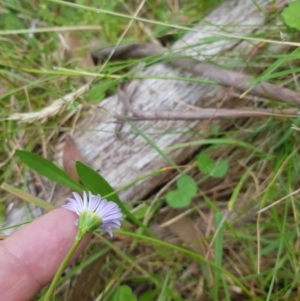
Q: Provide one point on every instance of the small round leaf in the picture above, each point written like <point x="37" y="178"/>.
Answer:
<point x="215" y="169"/>
<point x="220" y="169"/>
<point x="187" y="185"/>
<point x="291" y="15"/>
<point x="178" y="199"/>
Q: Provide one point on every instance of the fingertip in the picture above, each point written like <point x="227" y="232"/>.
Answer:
<point x="33" y="254"/>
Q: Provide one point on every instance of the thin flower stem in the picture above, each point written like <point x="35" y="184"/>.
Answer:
<point x="63" y="266"/>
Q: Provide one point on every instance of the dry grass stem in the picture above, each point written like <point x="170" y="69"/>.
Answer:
<point x="56" y="108"/>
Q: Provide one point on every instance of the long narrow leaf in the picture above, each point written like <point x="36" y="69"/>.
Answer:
<point x="47" y="169"/>
<point x="95" y="183"/>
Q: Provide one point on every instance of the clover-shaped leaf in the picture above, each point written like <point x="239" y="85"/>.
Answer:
<point x="215" y="169"/>
<point x="291" y="15"/>
<point x="187" y="185"/>
<point x="187" y="189"/>
<point x="178" y="199"/>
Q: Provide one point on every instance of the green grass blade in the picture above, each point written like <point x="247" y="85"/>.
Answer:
<point x="47" y="169"/>
<point x="25" y="196"/>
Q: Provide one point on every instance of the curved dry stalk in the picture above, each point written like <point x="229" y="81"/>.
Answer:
<point x="201" y="114"/>
<point x="227" y="78"/>
<point x="56" y="108"/>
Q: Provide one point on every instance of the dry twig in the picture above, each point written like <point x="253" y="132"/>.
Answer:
<point x="227" y="78"/>
<point x="125" y="96"/>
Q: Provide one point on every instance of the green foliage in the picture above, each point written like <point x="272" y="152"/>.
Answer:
<point x="215" y="169"/>
<point x="270" y="147"/>
<point x="96" y="94"/>
<point x="12" y="21"/>
<point x="47" y="169"/>
<point x="99" y="90"/>
<point x="140" y="212"/>
<point x="148" y="296"/>
<point x="291" y="15"/>
<point x="95" y="183"/>
<point x="187" y="187"/>
<point x="218" y="248"/>
<point x="123" y="293"/>
<point x="177" y="199"/>
<point x="182" y="197"/>
<point x="2" y="211"/>
<point x="89" y="177"/>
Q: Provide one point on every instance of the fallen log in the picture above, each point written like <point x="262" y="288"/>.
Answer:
<point x="122" y="160"/>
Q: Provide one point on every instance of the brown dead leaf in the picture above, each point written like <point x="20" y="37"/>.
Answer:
<point x="73" y="48"/>
<point x="190" y="234"/>
<point x="87" y="280"/>
<point x="71" y="154"/>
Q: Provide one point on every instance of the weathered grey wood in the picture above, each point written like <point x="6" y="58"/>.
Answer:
<point x="130" y="157"/>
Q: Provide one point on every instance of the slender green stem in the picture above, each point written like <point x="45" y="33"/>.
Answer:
<point x="63" y="266"/>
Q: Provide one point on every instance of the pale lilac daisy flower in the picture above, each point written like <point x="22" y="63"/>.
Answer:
<point x="94" y="213"/>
